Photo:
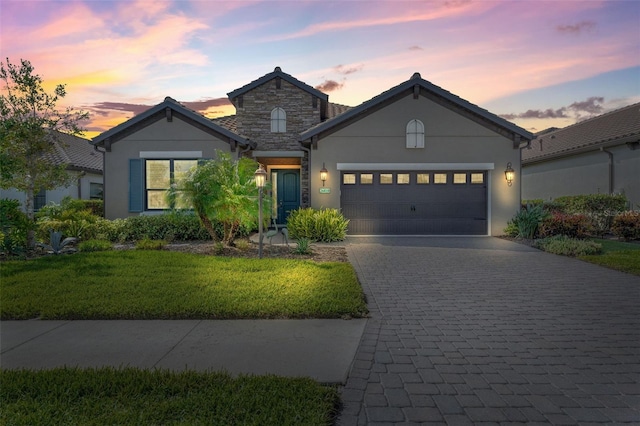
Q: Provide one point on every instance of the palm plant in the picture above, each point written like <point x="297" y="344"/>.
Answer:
<point x="223" y="191"/>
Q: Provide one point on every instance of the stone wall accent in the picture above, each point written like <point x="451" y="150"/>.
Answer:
<point x="254" y="116"/>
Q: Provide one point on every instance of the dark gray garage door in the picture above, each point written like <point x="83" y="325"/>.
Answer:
<point x="415" y="203"/>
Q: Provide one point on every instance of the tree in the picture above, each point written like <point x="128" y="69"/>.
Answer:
<point x="223" y="191"/>
<point x="29" y="122"/>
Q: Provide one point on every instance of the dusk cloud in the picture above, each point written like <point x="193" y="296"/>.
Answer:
<point x="203" y="105"/>
<point x="590" y="107"/>
<point x="341" y="69"/>
<point x="577" y="28"/>
<point x="329" y="86"/>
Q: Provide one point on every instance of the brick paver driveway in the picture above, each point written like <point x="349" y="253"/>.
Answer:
<point x="482" y="330"/>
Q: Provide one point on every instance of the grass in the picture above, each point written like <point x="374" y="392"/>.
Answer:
<point x="167" y="285"/>
<point x="617" y="255"/>
<point x="134" y="397"/>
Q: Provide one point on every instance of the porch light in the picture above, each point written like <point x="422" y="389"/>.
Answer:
<point x="260" y="176"/>
<point x="509" y="174"/>
<point x="323" y="174"/>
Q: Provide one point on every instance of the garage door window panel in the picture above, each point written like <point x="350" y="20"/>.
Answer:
<point x="440" y="178"/>
<point x="403" y="178"/>
<point x="386" y="178"/>
<point x="366" y="178"/>
<point x="422" y="178"/>
<point x="477" y="178"/>
<point x="349" y="179"/>
<point x="459" y="178"/>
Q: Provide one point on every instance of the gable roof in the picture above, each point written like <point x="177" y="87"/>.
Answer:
<point x="417" y="85"/>
<point x="613" y="128"/>
<point x="75" y="152"/>
<point x="160" y="111"/>
<point x="277" y="73"/>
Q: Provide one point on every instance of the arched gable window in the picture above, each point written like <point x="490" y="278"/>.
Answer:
<point x="415" y="134"/>
<point x="278" y="120"/>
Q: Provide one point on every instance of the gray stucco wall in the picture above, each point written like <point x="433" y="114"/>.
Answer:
<point x="586" y="173"/>
<point x="162" y="137"/>
<point x="450" y="140"/>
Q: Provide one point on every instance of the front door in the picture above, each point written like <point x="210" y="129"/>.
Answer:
<point x="286" y="192"/>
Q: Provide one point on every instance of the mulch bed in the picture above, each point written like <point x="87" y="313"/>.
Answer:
<point x="318" y="252"/>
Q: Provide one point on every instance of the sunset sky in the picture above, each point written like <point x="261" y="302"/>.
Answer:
<point x="536" y="63"/>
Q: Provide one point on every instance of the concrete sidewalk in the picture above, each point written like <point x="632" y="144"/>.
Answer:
<point x="318" y="348"/>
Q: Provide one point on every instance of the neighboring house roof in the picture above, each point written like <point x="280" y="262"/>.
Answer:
<point x="417" y="85"/>
<point x="333" y="110"/>
<point x="163" y="110"/>
<point x="613" y="128"/>
<point x="277" y="73"/>
<point x="76" y="152"/>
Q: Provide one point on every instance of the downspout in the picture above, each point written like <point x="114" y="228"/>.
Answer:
<point x="104" y="181"/>
<point x="242" y="151"/>
<point x="610" y="169"/>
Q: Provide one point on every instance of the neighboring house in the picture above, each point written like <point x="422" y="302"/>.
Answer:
<point x="600" y="155"/>
<point x="414" y="160"/>
<point x="83" y="162"/>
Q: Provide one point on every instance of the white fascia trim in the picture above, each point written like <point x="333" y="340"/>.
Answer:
<point x="416" y="166"/>
<point x="272" y="154"/>
<point x="170" y="154"/>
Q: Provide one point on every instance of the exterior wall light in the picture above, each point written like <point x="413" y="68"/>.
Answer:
<point x="323" y="174"/>
<point x="509" y="174"/>
<point x="260" y="176"/>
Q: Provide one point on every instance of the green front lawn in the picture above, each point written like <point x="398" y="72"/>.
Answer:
<point x="168" y="285"/>
<point x="137" y="397"/>
<point x="617" y="255"/>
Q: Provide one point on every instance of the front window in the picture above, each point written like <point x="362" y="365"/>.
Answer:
<point x="95" y="191"/>
<point x="159" y="176"/>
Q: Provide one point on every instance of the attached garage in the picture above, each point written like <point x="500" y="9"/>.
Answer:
<point x="408" y="202"/>
<point x="417" y="160"/>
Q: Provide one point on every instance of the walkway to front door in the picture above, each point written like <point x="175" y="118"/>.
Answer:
<point x="473" y="330"/>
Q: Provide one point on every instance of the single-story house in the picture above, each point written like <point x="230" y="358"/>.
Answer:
<point x="600" y="155"/>
<point x="414" y="160"/>
<point x="82" y="161"/>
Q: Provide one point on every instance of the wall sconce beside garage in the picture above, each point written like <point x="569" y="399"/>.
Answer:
<point x="509" y="174"/>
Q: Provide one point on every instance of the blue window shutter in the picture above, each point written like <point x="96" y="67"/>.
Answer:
<point x="136" y="185"/>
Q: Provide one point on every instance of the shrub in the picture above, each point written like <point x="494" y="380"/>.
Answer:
<point x="302" y="246"/>
<point x="571" y="225"/>
<point x="566" y="246"/>
<point x="324" y="225"/>
<point x="14" y="225"/>
<point x="626" y="226"/>
<point x="148" y="244"/>
<point x="528" y="220"/>
<point x="599" y="208"/>
<point x="95" y="245"/>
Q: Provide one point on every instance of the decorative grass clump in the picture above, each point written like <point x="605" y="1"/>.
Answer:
<point x="147" y="244"/>
<point x="567" y="246"/>
<point x="159" y="397"/>
<point x="143" y="284"/>
<point x="95" y="245"/>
